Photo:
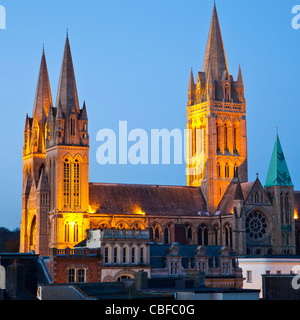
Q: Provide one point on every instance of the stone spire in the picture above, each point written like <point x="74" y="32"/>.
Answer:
<point x="43" y="99"/>
<point x="215" y="53"/>
<point x="191" y="83"/>
<point x="67" y="97"/>
<point x="240" y="82"/>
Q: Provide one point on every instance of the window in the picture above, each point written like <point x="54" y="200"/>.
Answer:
<point x="194" y="140"/>
<point x="249" y="276"/>
<point x="72" y="275"/>
<point x="203" y="235"/>
<point x="201" y="266"/>
<point x="76" y="184"/>
<point x="268" y="271"/>
<point x="218" y="137"/>
<point x="75" y="232"/>
<point x="278" y="271"/>
<point x="234" y="139"/>
<point x="166" y="232"/>
<point x="72" y="127"/>
<point x="66" y="183"/>
<point x="115" y="255"/>
<point x="227" y="170"/>
<point x="67" y="232"/>
<point x="236" y="171"/>
<point x="218" y="170"/>
<point x="106" y="255"/>
<point x="226" y="137"/>
<point x="228" y="236"/>
<point x="124" y="255"/>
<point x="287" y="210"/>
<point x="142" y="255"/>
<point x="216" y="235"/>
<point x="174" y="268"/>
<point x="225" y="268"/>
<point x="81" y="275"/>
<point x="133" y="255"/>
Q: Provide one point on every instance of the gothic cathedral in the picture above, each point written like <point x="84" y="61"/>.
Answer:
<point x="219" y="206"/>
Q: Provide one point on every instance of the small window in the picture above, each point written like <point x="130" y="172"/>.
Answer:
<point x="142" y="255"/>
<point x="71" y="275"/>
<point x="106" y="255"/>
<point x="249" y="276"/>
<point x="81" y="275"/>
<point x="124" y="255"/>
<point x="115" y="255"/>
<point x="174" y="268"/>
<point x="133" y="255"/>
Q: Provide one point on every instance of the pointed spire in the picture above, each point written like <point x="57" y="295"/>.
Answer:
<point x="240" y="82"/>
<point x="278" y="173"/>
<point x="83" y="115"/>
<point x="215" y="53"/>
<point x="67" y="97"/>
<point x="43" y="99"/>
<point x="238" y="192"/>
<point x="191" y="83"/>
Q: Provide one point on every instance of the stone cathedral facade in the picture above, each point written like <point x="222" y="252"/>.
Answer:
<point x="219" y="206"/>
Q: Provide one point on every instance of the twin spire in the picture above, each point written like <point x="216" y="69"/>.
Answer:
<point x="67" y="97"/>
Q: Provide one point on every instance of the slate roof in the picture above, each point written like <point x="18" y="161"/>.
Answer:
<point x="278" y="174"/>
<point x="110" y="198"/>
<point x="235" y="191"/>
<point x="158" y="253"/>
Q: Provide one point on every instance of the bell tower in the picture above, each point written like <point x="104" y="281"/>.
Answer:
<point x="34" y="224"/>
<point x="216" y="123"/>
<point x="67" y="161"/>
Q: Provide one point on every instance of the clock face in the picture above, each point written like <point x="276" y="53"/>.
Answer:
<point x="256" y="226"/>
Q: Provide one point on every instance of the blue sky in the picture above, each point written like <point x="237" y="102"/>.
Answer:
<point x="132" y="61"/>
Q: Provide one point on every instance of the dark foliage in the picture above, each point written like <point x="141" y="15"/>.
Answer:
<point x="9" y="240"/>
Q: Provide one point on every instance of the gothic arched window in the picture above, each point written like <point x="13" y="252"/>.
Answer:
<point x="226" y="170"/>
<point x="66" y="183"/>
<point x="76" y="184"/>
<point x="203" y="235"/>
<point x="226" y="137"/>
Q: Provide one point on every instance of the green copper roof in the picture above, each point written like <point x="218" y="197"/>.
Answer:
<point x="278" y="174"/>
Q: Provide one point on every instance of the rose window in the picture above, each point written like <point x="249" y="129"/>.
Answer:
<point x="256" y="226"/>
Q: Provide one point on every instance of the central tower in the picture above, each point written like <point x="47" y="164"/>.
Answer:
<point x="216" y="123"/>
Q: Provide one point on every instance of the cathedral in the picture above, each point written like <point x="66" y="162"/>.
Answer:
<point x="219" y="206"/>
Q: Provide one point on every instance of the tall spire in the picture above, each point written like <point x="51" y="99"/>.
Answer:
<point x="67" y="97"/>
<point x="43" y="99"/>
<point x="215" y="53"/>
<point x="278" y="173"/>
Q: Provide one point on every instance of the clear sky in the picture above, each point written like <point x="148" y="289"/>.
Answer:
<point x="132" y="61"/>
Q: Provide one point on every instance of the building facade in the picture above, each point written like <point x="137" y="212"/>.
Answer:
<point x="219" y="206"/>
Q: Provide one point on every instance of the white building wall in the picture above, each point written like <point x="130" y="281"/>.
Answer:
<point x="259" y="266"/>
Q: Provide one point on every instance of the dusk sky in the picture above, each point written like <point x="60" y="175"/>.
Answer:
<point x="132" y="61"/>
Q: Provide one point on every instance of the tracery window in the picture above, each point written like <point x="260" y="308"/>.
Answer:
<point x="256" y="226"/>
<point x="66" y="183"/>
<point x="76" y="184"/>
